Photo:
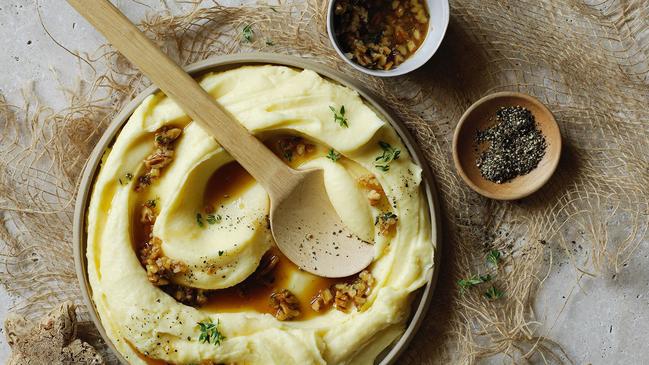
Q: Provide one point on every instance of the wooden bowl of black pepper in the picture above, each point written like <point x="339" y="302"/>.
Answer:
<point x="506" y="145"/>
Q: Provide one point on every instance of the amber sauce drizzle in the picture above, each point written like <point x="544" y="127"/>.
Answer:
<point x="253" y="294"/>
<point x="227" y="183"/>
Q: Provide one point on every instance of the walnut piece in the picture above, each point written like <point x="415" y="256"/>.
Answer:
<point x="345" y="295"/>
<point x="386" y="223"/>
<point x="291" y="146"/>
<point x="285" y="304"/>
<point x="159" y="268"/>
<point x="162" y="156"/>
<point x="186" y="295"/>
<point x="148" y="215"/>
<point x="374" y="197"/>
<point x="322" y="300"/>
<point x="371" y="184"/>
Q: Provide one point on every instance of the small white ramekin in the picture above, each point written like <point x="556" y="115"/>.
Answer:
<point x="438" y="11"/>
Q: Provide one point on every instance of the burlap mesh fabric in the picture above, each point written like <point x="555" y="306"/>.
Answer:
<point x="587" y="60"/>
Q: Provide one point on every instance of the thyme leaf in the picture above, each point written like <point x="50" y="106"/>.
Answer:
<point x="494" y="293"/>
<point x="472" y="281"/>
<point x="382" y="162"/>
<point x="210" y="333"/>
<point x="213" y="219"/>
<point x="333" y="155"/>
<point x="384" y="217"/>
<point x="339" y="116"/>
<point x="493" y="257"/>
<point x="248" y="33"/>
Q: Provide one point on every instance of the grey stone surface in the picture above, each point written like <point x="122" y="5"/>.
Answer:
<point x="605" y="320"/>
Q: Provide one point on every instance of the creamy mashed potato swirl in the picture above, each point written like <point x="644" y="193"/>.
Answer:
<point x="145" y="323"/>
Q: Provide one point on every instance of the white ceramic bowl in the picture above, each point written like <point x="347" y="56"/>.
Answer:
<point x="438" y="11"/>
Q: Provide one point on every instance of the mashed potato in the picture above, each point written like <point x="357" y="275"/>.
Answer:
<point x="209" y="220"/>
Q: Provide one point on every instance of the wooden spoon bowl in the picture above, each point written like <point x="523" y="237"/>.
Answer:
<point x="481" y="116"/>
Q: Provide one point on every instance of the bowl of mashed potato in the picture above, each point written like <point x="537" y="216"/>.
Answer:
<point x="172" y="241"/>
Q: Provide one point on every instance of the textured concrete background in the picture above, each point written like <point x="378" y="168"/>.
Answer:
<point x="605" y="320"/>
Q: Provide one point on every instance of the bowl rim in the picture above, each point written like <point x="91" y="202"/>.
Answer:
<point x="531" y="189"/>
<point x="225" y="62"/>
<point x="397" y="71"/>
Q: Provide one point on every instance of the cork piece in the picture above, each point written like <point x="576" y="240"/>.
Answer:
<point x="48" y="341"/>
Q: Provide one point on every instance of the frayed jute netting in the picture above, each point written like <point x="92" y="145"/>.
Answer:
<point x="587" y="60"/>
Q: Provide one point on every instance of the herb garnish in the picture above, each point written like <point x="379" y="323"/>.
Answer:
<point x="494" y="293"/>
<point x="472" y="281"/>
<point x="493" y="257"/>
<point x="333" y="155"/>
<point x="213" y="219"/>
<point x="210" y="332"/>
<point x="199" y="219"/>
<point x="151" y="203"/>
<point x="248" y="33"/>
<point x="129" y="176"/>
<point x="383" y="217"/>
<point x="389" y="154"/>
<point x="339" y="116"/>
<point x="221" y="253"/>
<point x="288" y="155"/>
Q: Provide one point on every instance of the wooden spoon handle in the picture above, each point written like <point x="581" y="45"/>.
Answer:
<point x="253" y="155"/>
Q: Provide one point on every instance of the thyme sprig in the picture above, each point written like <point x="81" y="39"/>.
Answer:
<point x="213" y="218"/>
<point x="248" y="33"/>
<point x="472" y="281"/>
<point x="210" y="332"/>
<point x="339" y="116"/>
<point x="493" y="257"/>
<point x="333" y="155"/>
<point x="382" y="162"/>
<point x="494" y="293"/>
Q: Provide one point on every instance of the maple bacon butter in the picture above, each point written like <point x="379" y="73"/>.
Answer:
<point x="181" y="262"/>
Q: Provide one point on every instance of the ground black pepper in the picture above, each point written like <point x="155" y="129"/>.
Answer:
<point x="516" y="145"/>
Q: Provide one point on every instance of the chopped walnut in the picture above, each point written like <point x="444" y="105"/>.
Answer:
<point x="290" y="146"/>
<point x="159" y="268"/>
<point x="345" y="295"/>
<point x="322" y="300"/>
<point x="186" y="295"/>
<point x="285" y="304"/>
<point x="300" y="148"/>
<point x="162" y="156"/>
<point x="375" y="191"/>
<point x="342" y="298"/>
<point x="148" y="216"/>
<point x="166" y="136"/>
<point x="159" y="159"/>
<point x="374" y="197"/>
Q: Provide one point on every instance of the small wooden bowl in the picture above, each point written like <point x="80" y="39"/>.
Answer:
<point x="481" y="116"/>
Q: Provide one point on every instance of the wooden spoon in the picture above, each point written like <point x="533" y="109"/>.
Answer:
<point x="305" y="225"/>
